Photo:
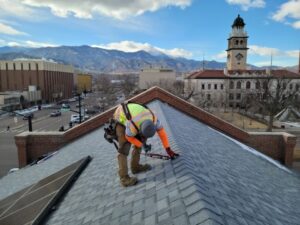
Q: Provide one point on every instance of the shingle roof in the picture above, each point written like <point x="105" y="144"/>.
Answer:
<point x="214" y="181"/>
<point x="207" y="74"/>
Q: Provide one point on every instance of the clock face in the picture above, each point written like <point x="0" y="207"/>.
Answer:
<point x="239" y="56"/>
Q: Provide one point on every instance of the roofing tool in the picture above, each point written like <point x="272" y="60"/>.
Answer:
<point x="156" y="156"/>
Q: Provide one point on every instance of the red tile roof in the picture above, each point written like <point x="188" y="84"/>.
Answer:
<point x="206" y="74"/>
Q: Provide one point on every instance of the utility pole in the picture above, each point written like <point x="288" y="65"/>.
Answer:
<point x="79" y="103"/>
<point x="29" y="123"/>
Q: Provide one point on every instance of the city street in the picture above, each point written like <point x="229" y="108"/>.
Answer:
<point x="41" y="122"/>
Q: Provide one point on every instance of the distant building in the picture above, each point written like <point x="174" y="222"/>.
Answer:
<point x="12" y="100"/>
<point x="84" y="82"/>
<point x="55" y="81"/>
<point x="228" y="87"/>
<point x="150" y="76"/>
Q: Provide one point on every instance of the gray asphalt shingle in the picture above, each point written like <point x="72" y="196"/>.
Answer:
<point x="214" y="181"/>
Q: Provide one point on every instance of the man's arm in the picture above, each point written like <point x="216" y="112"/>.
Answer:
<point x="164" y="139"/>
<point x="134" y="141"/>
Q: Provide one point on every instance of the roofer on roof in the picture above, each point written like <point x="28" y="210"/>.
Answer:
<point x="136" y="123"/>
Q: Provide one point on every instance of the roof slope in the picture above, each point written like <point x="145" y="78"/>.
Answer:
<point x="214" y="181"/>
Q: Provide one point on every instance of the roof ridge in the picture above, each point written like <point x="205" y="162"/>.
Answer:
<point x="198" y="200"/>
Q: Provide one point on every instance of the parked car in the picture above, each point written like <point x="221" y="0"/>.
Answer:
<point x="26" y="115"/>
<point x="55" y="113"/>
<point x="65" y="106"/>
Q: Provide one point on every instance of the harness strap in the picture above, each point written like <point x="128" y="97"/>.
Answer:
<point x="128" y="115"/>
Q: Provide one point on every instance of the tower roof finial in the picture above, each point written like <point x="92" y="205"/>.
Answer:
<point x="238" y="22"/>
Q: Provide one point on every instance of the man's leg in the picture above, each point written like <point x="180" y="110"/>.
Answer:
<point x="123" y="150"/>
<point x="136" y="167"/>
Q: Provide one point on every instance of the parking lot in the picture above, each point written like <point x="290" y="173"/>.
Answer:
<point x="13" y="125"/>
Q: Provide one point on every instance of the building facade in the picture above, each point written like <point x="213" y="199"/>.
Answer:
<point x="55" y="81"/>
<point x="84" y="82"/>
<point x="149" y="76"/>
<point x="229" y="87"/>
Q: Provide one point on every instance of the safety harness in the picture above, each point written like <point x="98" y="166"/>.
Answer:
<point x="128" y="115"/>
<point x="111" y="136"/>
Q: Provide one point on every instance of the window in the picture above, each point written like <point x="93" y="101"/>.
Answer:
<point x="297" y="87"/>
<point x="265" y="84"/>
<point x="238" y="85"/>
<point x="14" y="65"/>
<point x="241" y="42"/>
<point x="238" y="96"/>
<point x="257" y="85"/>
<point x="248" y="85"/>
<point x="291" y="86"/>
<point x="29" y="66"/>
<point x="208" y="96"/>
<point x="203" y="86"/>
<point x="209" y="86"/>
<point x="231" y="96"/>
<point x="236" y="42"/>
<point x="231" y="85"/>
<point x="222" y="86"/>
<point x="216" y="86"/>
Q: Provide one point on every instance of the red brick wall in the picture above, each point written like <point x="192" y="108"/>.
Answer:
<point x="279" y="146"/>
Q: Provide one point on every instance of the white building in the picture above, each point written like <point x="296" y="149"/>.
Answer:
<point x="229" y="86"/>
<point x="148" y="77"/>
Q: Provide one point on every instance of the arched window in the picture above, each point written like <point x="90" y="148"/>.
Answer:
<point x="238" y="85"/>
<point x="248" y="85"/>
<point x="231" y="85"/>
<point x="236" y="42"/>
<point x="241" y="42"/>
<point x="257" y="85"/>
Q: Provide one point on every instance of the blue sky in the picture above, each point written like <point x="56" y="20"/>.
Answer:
<point x="187" y="28"/>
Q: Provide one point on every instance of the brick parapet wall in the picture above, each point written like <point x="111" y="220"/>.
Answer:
<point x="278" y="146"/>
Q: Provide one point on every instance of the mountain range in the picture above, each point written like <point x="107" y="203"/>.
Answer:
<point x="98" y="60"/>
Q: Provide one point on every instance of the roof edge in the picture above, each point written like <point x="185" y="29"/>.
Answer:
<point x="29" y="143"/>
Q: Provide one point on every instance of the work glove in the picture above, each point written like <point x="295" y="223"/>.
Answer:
<point x="172" y="154"/>
<point x="146" y="147"/>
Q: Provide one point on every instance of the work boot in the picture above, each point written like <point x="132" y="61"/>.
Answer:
<point x="136" y="167"/>
<point x="125" y="179"/>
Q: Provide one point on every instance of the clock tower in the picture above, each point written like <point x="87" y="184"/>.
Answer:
<point x="237" y="46"/>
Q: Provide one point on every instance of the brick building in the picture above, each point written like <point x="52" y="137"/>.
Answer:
<point x="54" y="80"/>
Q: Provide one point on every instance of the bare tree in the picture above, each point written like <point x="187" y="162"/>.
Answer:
<point x="273" y="94"/>
<point x="128" y="85"/>
<point x="175" y="87"/>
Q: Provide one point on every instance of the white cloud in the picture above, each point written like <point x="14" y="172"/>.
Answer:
<point x="221" y="55"/>
<point x="33" y="44"/>
<point x="28" y="43"/>
<point x="264" y="52"/>
<point x="119" y="9"/>
<point x="5" y="29"/>
<point x="15" y="8"/>
<point x="130" y="46"/>
<point x="246" y="4"/>
<point x="289" y="10"/>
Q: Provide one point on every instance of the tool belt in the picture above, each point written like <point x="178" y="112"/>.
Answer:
<point x="110" y="132"/>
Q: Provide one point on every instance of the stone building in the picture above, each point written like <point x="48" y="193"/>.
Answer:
<point x="229" y="87"/>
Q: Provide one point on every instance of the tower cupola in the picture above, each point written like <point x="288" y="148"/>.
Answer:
<point x="237" y="46"/>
